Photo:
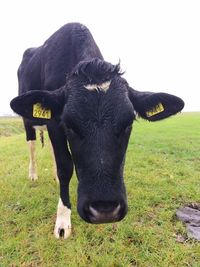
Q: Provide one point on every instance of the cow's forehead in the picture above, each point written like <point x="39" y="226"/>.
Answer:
<point x="95" y="95"/>
<point x="117" y="85"/>
<point x="95" y="105"/>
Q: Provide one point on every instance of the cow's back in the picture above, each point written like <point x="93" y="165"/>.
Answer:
<point x="29" y="71"/>
<point x="46" y="67"/>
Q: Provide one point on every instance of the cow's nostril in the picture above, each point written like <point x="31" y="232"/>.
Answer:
<point x="116" y="211"/>
<point x="103" y="211"/>
<point x="108" y="212"/>
<point x="104" y="206"/>
<point x="93" y="212"/>
<point x="97" y="213"/>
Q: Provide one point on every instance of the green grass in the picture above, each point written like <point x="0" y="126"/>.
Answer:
<point x="162" y="173"/>
<point x="10" y="126"/>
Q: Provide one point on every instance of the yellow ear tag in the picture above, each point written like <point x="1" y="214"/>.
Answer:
<point x="40" y="112"/>
<point x="157" y="109"/>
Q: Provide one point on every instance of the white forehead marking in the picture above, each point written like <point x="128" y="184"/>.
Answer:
<point x="102" y="86"/>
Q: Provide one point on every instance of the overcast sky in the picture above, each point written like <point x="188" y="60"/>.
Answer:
<point x="157" y="41"/>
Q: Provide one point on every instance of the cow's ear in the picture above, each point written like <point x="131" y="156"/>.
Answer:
<point x="155" y="106"/>
<point x="39" y="105"/>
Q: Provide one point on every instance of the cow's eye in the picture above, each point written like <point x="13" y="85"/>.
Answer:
<point x="123" y="130"/>
<point x="70" y="131"/>
<point x="128" y="128"/>
<point x="73" y="133"/>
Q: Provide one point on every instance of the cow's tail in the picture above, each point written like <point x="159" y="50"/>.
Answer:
<point x="42" y="138"/>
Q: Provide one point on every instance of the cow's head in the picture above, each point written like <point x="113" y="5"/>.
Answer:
<point x="97" y="108"/>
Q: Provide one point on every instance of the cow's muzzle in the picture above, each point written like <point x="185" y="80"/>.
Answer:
<point x="104" y="211"/>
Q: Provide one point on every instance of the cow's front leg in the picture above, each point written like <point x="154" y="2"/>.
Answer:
<point x="63" y="218"/>
<point x="54" y="164"/>
<point x="64" y="166"/>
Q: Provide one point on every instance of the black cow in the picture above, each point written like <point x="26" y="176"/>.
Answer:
<point x="85" y="103"/>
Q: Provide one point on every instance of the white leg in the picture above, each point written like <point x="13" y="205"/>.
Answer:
<point x="32" y="165"/>
<point x="63" y="221"/>
<point x="54" y="163"/>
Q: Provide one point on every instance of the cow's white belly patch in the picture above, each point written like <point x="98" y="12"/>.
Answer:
<point x="63" y="221"/>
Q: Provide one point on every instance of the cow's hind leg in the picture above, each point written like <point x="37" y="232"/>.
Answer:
<point x="64" y="171"/>
<point x="31" y="140"/>
<point x="32" y="163"/>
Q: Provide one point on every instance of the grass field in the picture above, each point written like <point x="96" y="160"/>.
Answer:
<point x="162" y="173"/>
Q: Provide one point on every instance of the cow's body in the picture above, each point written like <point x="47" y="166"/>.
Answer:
<point x="92" y="108"/>
<point x="46" y="67"/>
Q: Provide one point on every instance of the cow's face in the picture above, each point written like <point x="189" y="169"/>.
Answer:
<point x="98" y="124"/>
<point x="96" y="109"/>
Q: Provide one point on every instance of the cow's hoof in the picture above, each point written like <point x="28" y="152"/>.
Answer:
<point x="62" y="232"/>
<point x="33" y="176"/>
<point x="56" y="179"/>
<point x="63" y="221"/>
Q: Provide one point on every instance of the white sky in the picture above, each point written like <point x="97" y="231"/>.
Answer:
<point x="157" y="41"/>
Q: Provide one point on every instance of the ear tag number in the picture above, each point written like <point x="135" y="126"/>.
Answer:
<point x="40" y="112"/>
<point x="156" y="110"/>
